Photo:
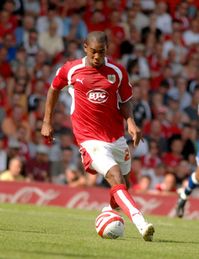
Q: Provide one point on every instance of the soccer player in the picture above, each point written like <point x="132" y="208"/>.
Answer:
<point x="101" y="100"/>
<point x="193" y="182"/>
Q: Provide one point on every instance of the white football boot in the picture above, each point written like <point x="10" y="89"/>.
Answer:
<point x="147" y="231"/>
<point x="181" y="203"/>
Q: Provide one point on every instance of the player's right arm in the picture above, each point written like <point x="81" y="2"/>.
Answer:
<point x="58" y="83"/>
<point x="47" y="130"/>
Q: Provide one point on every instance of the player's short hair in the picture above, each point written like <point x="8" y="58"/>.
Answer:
<point x="98" y="36"/>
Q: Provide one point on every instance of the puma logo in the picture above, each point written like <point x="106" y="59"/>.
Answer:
<point x="79" y="80"/>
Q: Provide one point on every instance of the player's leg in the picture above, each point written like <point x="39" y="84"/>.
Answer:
<point x="193" y="182"/>
<point x="113" y="204"/>
<point x="122" y="197"/>
<point x="102" y="159"/>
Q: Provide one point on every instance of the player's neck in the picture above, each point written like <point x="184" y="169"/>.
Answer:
<point x="87" y="63"/>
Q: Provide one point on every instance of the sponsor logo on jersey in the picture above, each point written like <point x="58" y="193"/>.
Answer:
<point x="112" y="79"/>
<point x="97" y="96"/>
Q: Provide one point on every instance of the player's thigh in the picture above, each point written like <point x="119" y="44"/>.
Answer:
<point x="101" y="155"/>
<point x="122" y="155"/>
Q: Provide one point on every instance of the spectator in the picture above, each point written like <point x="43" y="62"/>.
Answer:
<point x="96" y="21"/>
<point x="43" y="22"/>
<point x="58" y="167"/>
<point x="32" y="7"/>
<point x="153" y="158"/>
<point x="189" y="70"/>
<point x="173" y="157"/>
<point x="164" y="105"/>
<point x="183" y="171"/>
<point x="143" y="184"/>
<point x="15" y="119"/>
<point x="151" y="28"/>
<point x="143" y="66"/>
<point x="8" y="23"/>
<point x="38" y="168"/>
<point x="40" y="60"/>
<point x="136" y="171"/>
<point x="189" y="149"/>
<point x="50" y="41"/>
<point x="22" y="31"/>
<point x="14" y="171"/>
<point x="3" y="153"/>
<point x="168" y="184"/>
<point x="9" y="44"/>
<point x="141" y="109"/>
<point x="75" y="28"/>
<point x="116" y="27"/>
<point x="193" y="84"/>
<point x="191" y="35"/>
<point x="141" y="20"/>
<point x="181" y="14"/>
<point x="156" y="62"/>
<point x="5" y="66"/>
<point x="154" y="131"/>
<point x="13" y="149"/>
<point x="73" y="50"/>
<point x="177" y="45"/>
<point x="192" y="109"/>
<point x="3" y="99"/>
<point x="31" y="46"/>
<point x="74" y="178"/>
<point x="164" y="20"/>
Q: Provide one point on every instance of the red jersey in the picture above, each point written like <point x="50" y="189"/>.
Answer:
<point x="96" y="94"/>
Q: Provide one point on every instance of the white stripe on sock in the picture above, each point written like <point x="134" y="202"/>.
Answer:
<point x="136" y="215"/>
<point x="193" y="177"/>
<point x="131" y="208"/>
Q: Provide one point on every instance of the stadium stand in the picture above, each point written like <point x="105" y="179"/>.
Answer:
<point x="157" y="41"/>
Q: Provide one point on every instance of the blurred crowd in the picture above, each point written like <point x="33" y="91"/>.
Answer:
<point x="158" y="43"/>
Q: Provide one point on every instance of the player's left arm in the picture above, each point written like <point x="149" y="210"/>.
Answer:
<point x="135" y="132"/>
<point x="126" y="108"/>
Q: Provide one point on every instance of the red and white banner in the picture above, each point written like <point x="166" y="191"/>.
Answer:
<point x="89" y="198"/>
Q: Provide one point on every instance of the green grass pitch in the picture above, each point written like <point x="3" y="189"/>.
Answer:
<point x="32" y="232"/>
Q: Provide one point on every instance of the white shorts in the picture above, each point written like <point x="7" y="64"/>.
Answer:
<point x="100" y="156"/>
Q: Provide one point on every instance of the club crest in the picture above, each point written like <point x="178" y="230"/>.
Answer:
<point x="112" y="79"/>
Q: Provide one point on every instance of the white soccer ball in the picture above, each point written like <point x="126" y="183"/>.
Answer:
<point x="109" y="224"/>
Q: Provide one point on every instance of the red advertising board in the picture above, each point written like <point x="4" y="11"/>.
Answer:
<point x="89" y="198"/>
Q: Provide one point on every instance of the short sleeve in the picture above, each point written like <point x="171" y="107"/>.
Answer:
<point x="61" y="78"/>
<point x="125" y="88"/>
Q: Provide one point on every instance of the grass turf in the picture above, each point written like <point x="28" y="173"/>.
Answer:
<point x="29" y="232"/>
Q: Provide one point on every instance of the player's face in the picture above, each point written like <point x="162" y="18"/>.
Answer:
<point x="95" y="53"/>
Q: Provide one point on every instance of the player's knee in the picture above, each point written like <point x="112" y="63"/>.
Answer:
<point x="114" y="176"/>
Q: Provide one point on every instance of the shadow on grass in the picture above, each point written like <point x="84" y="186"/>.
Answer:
<point x="66" y="255"/>
<point x="23" y="231"/>
<point x="155" y="240"/>
<point x="175" y="241"/>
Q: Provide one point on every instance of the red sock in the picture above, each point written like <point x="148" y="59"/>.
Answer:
<point x="113" y="203"/>
<point x="124" y="200"/>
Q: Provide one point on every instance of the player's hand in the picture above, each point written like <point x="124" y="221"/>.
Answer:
<point x="136" y="135"/>
<point x="47" y="132"/>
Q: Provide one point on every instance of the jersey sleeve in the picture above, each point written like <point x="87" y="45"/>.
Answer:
<point x="61" y="78"/>
<point x="125" y="88"/>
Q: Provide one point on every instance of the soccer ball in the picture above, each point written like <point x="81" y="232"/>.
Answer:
<point x="109" y="224"/>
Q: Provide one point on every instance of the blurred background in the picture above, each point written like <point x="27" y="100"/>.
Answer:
<point x="156" y="41"/>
